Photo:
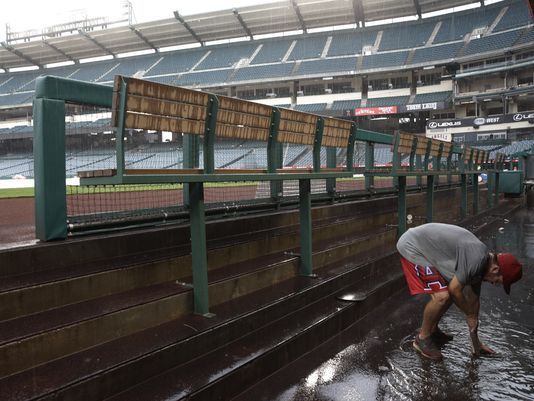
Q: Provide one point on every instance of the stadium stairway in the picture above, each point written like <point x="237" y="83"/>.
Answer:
<point x="111" y="316"/>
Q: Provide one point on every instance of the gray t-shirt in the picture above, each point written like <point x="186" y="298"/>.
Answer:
<point x="453" y="250"/>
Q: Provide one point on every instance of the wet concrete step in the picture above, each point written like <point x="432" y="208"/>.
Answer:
<point x="225" y="372"/>
<point x="27" y="294"/>
<point x="113" y="366"/>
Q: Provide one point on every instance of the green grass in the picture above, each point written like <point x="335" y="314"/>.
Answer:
<point x="16" y="192"/>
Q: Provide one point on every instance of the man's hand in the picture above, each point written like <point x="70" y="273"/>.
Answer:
<point x="477" y="348"/>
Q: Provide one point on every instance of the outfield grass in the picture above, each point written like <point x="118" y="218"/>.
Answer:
<point x="16" y="192"/>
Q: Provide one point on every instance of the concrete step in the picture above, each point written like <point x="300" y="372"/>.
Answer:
<point x="115" y="366"/>
<point x="43" y="290"/>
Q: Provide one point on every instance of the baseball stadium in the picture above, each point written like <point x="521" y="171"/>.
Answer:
<point x="207" y="206"/>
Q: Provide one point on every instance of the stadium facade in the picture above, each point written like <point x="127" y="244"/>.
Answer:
<point x="466" y="66"/>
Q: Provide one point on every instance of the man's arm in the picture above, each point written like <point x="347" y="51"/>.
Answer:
<point x="467" y="298"/>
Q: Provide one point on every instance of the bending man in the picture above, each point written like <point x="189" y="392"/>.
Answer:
<point x="449" y="263"/>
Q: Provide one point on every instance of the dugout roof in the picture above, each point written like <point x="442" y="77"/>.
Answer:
<point x="270" y="17"/>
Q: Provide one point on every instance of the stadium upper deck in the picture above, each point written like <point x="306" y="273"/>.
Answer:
<point x="454" y="37"/>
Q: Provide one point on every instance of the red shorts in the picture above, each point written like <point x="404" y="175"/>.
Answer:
<point x="422" y="279"/>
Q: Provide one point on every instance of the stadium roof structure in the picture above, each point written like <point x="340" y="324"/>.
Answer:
<point x="273" y="17"/>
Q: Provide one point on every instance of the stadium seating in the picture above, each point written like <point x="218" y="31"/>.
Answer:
<point x="272" y="52"/>
<point x="128" y="67"/>
<point x="173" y="63"/>
<point x="311" y="108"/>
<point x="517" y="15"/>
<point x="433" y="53"/>
<point x="308" y="47"/>
<point x="345" y="104"/>
<point x="406" y="36"/>
<point x="327" y="66"/>
<point x="494" y="42"/>
<point x="264" y="71"/>
<point x="388" y="101"/>
<point x="344" y="44"/>
<point x="383" y="60"/>
<point x="203" y="78"/>
<point x="93" y="71"/>
<point x="432" y="97"/>
<point x="456" y="26"/>
<point x="227" y="56"/>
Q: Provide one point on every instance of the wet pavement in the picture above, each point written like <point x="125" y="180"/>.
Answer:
<point x="382" y="365"/>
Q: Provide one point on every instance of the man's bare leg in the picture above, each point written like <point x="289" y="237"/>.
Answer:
<point x="434" y="310"/>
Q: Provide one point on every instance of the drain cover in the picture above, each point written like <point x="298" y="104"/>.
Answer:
<point x="353" y="297"/>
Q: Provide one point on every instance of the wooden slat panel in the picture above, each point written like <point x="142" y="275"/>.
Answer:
<point x="97" y="173"/>
<point x="242" y="106"/>
<point x="334" y="142"/>
<point x="161" y="123"/>
<point x="299" y="116"/>
<point x="293" y="137"/>
<point x="158" y="171"/>
<point x="248" y="133"/>
<point x="422" y="144"/>
<point x="434" y="151"/>
<point x="298" y="127"/>
<point x="166" y="92"/>
<point x="250" y="120"/>
<point x="447" y="149"/>
<point x="336" y="123"/>
<point x="165" y="108"/>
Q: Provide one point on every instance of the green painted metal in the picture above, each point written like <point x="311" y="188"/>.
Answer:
<point x="331" y="162"/>
<point x="305" y="268"/>
<point x="418" y="166"/>
<point x="119" y="134"/>
<point x="437" y="162"/>
<point x="401" y="213"/>
<point x="274" y="150"/>
<point x="191" y="159"/>
<point x="209" y="135"/>
<point x="350" y="147"/>
<point x="430" y="198"/>
<point x="369" y="165"/>
<point x="412" y="154"/>
<point x="511" y="182"/>
<point x="317" y="145"/>
<point x="376" y="137"/>
<point x="497" y="189"/>
<point x="449" y="168"/>
<point x="475" y="194"/>
<point x="184" y="178"/>
<point x="49" y="167"/>
<point x="73" y="91"/>
<point x="463" y="196"/>
<point x="198" y="248"/>
<point x="426" y="161"/>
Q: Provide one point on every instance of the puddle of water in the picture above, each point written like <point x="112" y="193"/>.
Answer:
<point x="383" y="366"/>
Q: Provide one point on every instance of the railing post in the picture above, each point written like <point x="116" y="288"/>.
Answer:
<point x="49" y="160"/>
<point x="119" y="135"/>
<point x="209" y="135"/>
<point x="369" y="164"/>
<point x="317" y="145"/>
<point x="497" y="177"/>
<point x="191" y="159"/>
<point x="350" y="147"/>
<point x="401" y="213"/>
<point x="419" y="167"/>
<point x="463" y="200"/>
<point x="429" y="198"/>
<point x="273" y="154"/>
<point x="331" y="162"/>
<point x="475" y="194"/>
<point x="199" y="259"/>
<point x="306" y="268"/>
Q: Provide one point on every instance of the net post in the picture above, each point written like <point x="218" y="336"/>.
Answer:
<point x="317" y="145"/>
<point x="429" y="198"/>
<point x="190" y="159"/>
<point x="401" y="212"/>
<point x="369" y="164"/>
<point x="209" y="135"/>
<point x="121" y="117"/>
<point x="305" y="268"/>
<point x="350" y="147"/>
<point x="49" y="159"/>
<point x="331" y="162"/>
<point x="199" y="260"/>
<point x="273" y="150"/>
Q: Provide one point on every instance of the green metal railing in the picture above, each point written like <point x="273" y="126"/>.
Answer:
<point x="52" y="95"/>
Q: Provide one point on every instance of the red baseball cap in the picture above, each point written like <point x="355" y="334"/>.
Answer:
<point x="510" y="268"/>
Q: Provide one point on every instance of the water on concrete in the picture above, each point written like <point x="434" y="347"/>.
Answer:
<point x="382" y="365"/>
